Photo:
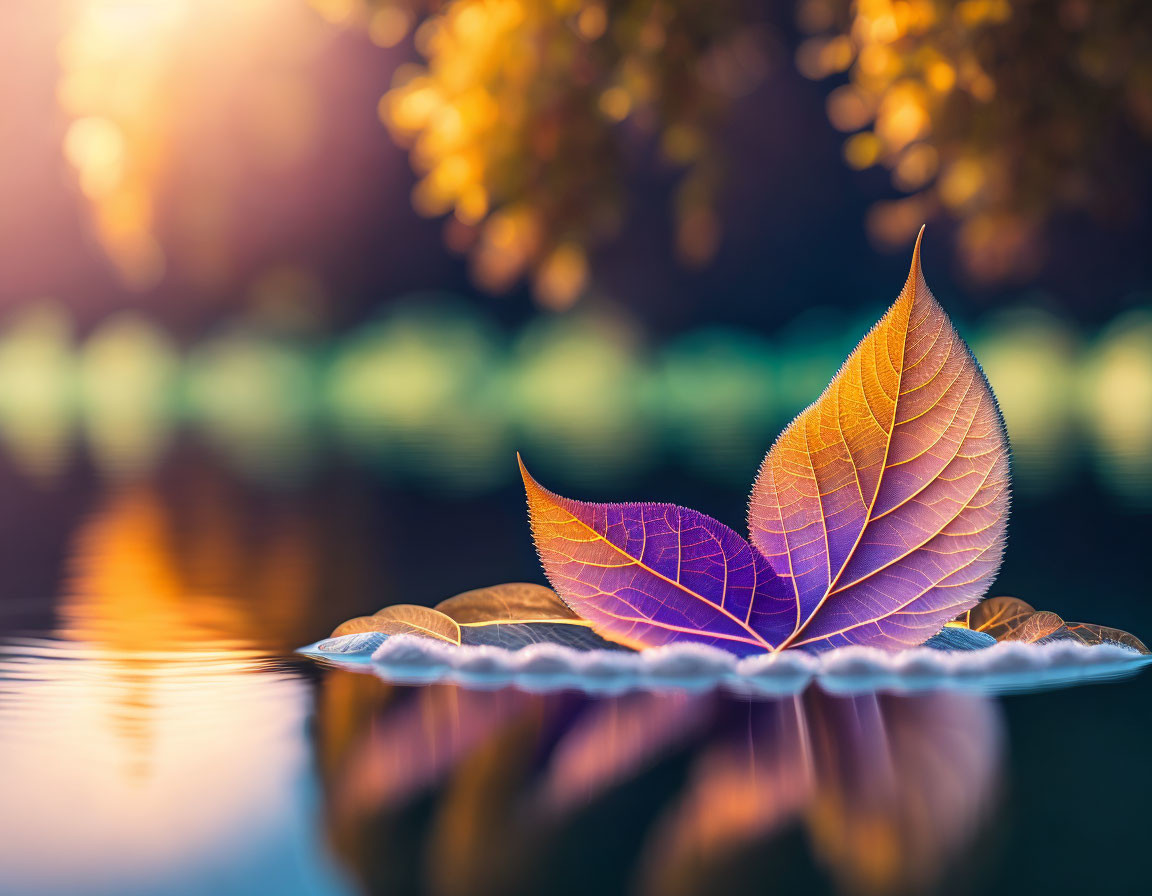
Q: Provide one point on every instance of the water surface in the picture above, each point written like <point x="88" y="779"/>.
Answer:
<point x="158" y="734"/>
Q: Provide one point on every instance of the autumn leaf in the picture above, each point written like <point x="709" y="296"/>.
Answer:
<point x="997" y="616"/>
<point x="516" y="614"/>
<point x="883" y="506"/>
<point x="1011" y="619"/>
<point x="510" y="602"/>
<point x="1088" y="633"/>
<point x="511" y="616"/>
<point x="404" y="619"/>
<point x="1036" y="627"/>
<point x="880" y="511"/>
<point x="651" y="574"/>
<point x="357" y="625"/>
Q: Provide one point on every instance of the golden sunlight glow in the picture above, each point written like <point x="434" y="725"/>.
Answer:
<point x="157" y="675"/>
<point x="114" y="60"/>
<point x="140" y="585"/>
<point x="150" y="90"/>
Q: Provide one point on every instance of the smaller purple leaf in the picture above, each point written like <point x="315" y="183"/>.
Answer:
<point x="651" y="574"/>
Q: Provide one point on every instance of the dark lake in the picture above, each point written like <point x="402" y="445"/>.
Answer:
<point x="159" y="736"/>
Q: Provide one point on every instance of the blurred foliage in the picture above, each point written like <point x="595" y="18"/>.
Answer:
<point x="433" y="393"/>
<point x="999" y="114"/>
<point x="530" y="121"/>
<point x="521" y="120"/>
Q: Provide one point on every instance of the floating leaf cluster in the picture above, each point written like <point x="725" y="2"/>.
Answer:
<point x="878" y="515"/>
<point x="999" y="114"/>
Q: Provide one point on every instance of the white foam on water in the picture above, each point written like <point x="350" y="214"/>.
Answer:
<point x="1009" y="667"/>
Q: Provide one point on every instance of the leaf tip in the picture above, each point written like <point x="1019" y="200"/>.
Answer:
<point x="530" y="484"/>
<point x="915" y="284"/>
<point x="538" y="496"/>
<point x="915" y="273"/>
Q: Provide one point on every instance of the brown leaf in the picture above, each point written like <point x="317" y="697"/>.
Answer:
<point x="512" y="602"/>
<point x="356" y="625"/>
<point x="998" y="616"/>
<point x="1035" y="627"/>
<point x="1011" y="619"/>
<point x="404" y="619"/>
<point x="1100" y="634"/>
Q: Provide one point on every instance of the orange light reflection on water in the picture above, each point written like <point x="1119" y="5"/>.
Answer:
<point x="156" y="737"/>
<point x="121" y="767"/>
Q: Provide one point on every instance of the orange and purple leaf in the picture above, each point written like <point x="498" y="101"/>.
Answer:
<point x="883" y="506"/>
<point x="651" y="574"/>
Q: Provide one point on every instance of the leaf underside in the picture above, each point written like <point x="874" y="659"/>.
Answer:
<point x="883" y="506"/>
<point x="514" y="635"/>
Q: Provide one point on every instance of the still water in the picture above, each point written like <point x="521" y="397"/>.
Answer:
<point x="159" y="736"/>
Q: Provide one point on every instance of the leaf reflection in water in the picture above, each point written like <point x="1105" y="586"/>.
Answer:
<point x="493" y="791"/>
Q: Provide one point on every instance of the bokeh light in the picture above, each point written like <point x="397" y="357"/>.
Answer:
<point x="174" y="110"/>
<point x="520" y="121"/>
<point x="998" y="114"/>
<point x="434" y="393"/>
<point x="1117" y="405"/>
